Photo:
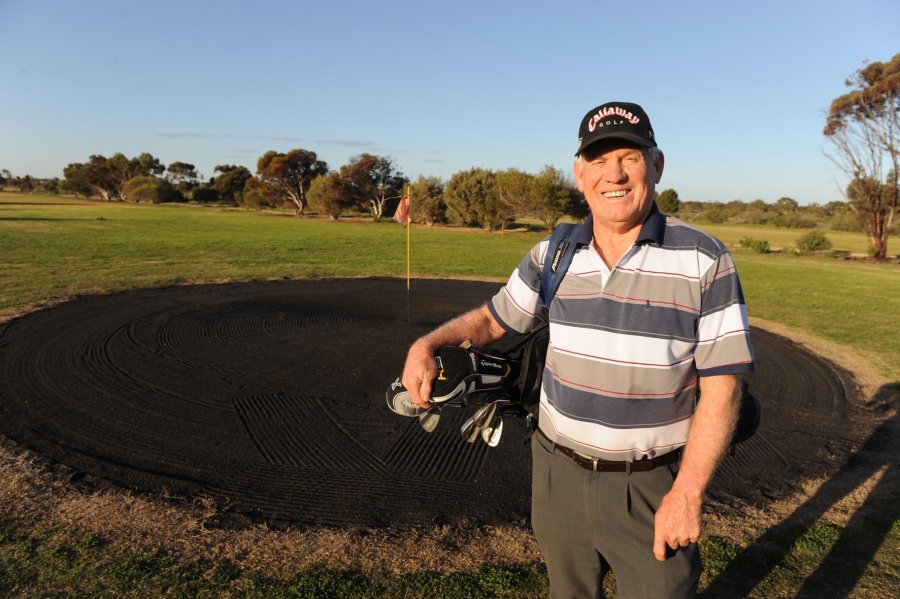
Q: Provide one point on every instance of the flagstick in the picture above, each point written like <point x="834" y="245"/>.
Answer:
<point x="408" y="227"/>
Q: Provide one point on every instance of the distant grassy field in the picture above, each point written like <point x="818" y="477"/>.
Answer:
<point x="787" y="238"/>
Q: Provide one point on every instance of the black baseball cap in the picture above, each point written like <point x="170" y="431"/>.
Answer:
<point x="624" y="120"/>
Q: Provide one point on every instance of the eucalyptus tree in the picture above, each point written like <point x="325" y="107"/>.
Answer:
<point x="864" y="128"/>
<point x="287" y="176"/>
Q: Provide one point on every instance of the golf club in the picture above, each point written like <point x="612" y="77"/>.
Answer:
<point x="493" y="427"/>
<point x="472" y="427"/>
<point x="491" y="434"/>
<point x="428" y="419"/>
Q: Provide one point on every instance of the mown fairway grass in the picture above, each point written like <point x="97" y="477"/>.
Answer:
<point x="57" y="247"/>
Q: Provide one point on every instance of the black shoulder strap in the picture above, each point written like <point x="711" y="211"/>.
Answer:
<point x="559" y="255"/>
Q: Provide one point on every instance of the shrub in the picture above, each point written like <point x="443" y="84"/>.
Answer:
<point x="814" y="241"/>
<point x="760" y="246"/>
<point x="253" y="198"/>
<point x="793" y="220"/>
<point x="205" y="194"/>
<point x="846" y="221"/>
<point x="166" y="192"/>
<point x="753" y="216"/>
<point x="151" y="189"/>
<point x="331" y="194"/>
<point x="668" y="201"/>
<point x="714" y="215"/>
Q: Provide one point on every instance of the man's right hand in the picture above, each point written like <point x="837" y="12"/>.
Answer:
<point x="477" y="325"/>
<point x="418" y="374"/>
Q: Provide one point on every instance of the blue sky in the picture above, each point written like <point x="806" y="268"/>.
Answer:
<point x="736" y="91"/>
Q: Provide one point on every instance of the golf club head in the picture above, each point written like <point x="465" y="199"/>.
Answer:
<point x="487" y="420"/>
<point x="471" y="428"/>
<point x="489" y="414"/>
<point x="399" y="401"/>
<point x="482" y="418"/>
<point x="429" y="419"/>
<point x="491" y="434"/>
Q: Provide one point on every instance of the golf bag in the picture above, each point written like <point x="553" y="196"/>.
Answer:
<point x="531" y="351"/>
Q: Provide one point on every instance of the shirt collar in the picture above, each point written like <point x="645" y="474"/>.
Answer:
<point x="652" y="231"/>
<point x="654" y="228"/>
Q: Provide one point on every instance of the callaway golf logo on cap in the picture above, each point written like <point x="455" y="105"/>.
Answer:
<point x="611" y="111"/>
<point x="623" y="120"/>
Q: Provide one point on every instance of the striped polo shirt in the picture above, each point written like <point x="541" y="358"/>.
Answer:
<point x="627" y="345"/>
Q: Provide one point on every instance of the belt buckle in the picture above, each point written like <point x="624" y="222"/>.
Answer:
<point x="583" y="456"/>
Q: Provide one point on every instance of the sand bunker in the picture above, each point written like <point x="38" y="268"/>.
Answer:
<point x="269" y="397"/>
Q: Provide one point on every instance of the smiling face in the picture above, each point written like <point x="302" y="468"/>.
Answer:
<point x="618" y="179"/>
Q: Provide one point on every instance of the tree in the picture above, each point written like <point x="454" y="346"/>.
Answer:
<point x="759" y="204"/>
<point x="49" y="186"/>
<point x="864" y="128"/>
<point x="668" y="201"/>
<point x="471" y="198"/>
<point x="106" y="177"/>
<point x="426" y="203"/>
<point x="252" y="196"/>
<point x="75" y="186"/>
<point x="230" y="182"/>
<point x="183" y="175"/>
<point x="832" y="208"/>
<point x="4" y="177"/>
<point x="26" y="183"/>
<point x="787" y="204"/>
<point x="124" y="169"/>
<point x="515" y="194"/>
<point x="328" y="195"/>
<point x="94" y="177"/>
<point x="372" y="181"/>
<point x="153" y="189"/>
<point x="556" y="196"/>
<point x="145" y="164"/>
<point x="287" y="177"/>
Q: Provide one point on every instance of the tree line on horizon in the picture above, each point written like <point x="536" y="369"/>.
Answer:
<point x="298" y="180"/>
<point x="368" y="184"/>
<point x="863" y="126"/>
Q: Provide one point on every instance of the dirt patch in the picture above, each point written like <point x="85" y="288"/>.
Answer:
<point x="250" y="419"/>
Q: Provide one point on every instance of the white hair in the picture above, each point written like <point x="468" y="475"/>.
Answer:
<point x="651" y="154"/>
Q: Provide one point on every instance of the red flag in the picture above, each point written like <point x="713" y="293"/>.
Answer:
<point x="401" y="215"/>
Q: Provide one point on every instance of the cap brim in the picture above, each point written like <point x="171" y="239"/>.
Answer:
<point x="641" y="141"/>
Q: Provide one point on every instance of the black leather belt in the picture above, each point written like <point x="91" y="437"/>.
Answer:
<point x="598" y="465"/>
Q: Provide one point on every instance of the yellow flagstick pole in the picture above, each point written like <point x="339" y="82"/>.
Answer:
<point x="408" y="227"/>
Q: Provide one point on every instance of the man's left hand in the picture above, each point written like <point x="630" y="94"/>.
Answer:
<point x="678" y="517"/>
<point x="677" y="522"/>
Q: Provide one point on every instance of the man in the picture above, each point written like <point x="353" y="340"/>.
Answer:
<point x="649" y="314"/>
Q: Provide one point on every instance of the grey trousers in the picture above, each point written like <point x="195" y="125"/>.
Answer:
<point x="587" y="522"/>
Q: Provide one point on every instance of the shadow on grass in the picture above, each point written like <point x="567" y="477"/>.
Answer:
<point x="41" y="219"/>
<point x="858" y="541"/>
